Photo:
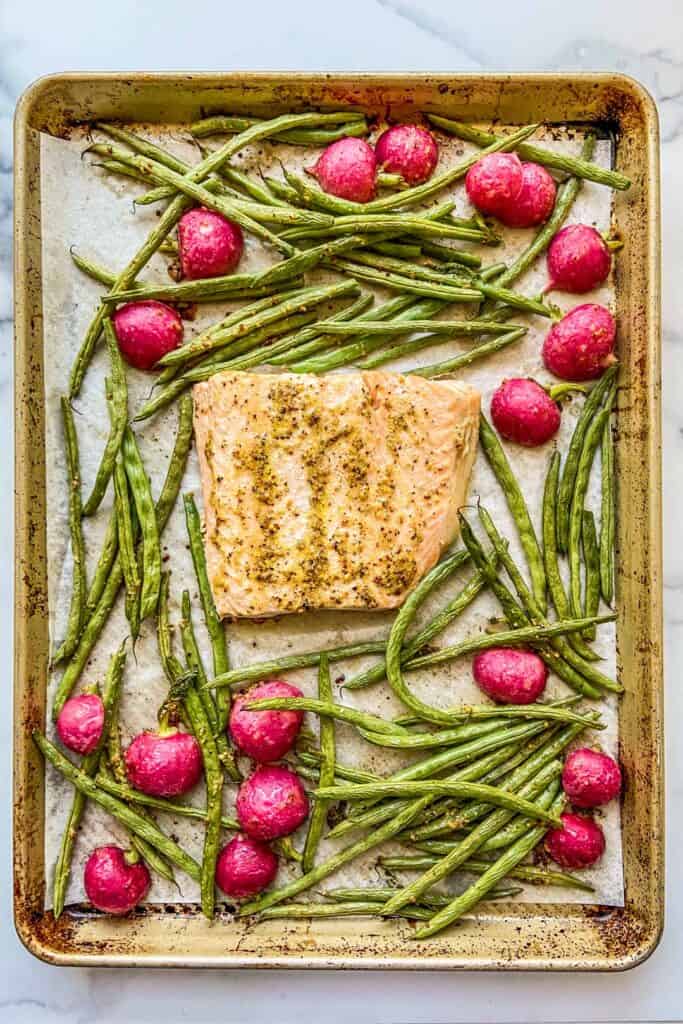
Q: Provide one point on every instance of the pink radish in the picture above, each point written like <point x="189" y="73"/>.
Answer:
<point x="115" y="880"/>
<point x="265" y="735"/>
<point x="209" y="244"/>
<point x="524" y="412"/>
<point x="164" y="763"/>
<point x="509" y="675"/>
<point x="494" y="182"/>
<point x="590" y="778"/>
<point x="347" y="168"/>
<point x="408" y="150"/>
<point x="534" y="202"/>
<point x="578" y="259"/>
<point x="581" y="345"/>
<point x="146" y="331"/>
<point x="271" y="803"/>
<point x="578" y="844"/>
<point x="245" y="867"/>
<point x="80" y="723"/>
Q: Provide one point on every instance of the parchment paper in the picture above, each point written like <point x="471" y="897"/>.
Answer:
<point x="83" y="207"/>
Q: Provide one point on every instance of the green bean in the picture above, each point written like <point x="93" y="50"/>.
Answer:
<point x="444" y="253"/>
<point x="362" y="908"/>
<point x="576" y="166"/>
<point x="413" y="225"/>
<point x="316" y="823"/>
<point x="266" y="669"/>
<point x="227" y="125"/>
<point x="340" y="712"/>
<point x="261" y="130"/>
<point x="144" y="506"/>
<point x="119" y="810"/>
<point x="303" y="302"/>
<point x="450" y="815"/>
<point x="607" y="514"/>
<point x="282" y="350"/>
<point x="451" y="611"/>
<point x="451" y="737"/>
<point x="211" y="365"/>
<point x="591" y="559"/>
<point x="110" y="546"/>
<point x="127" y="556"/>
<point x="467" y="358"/>
<point x="463" y="790"/>
<point x="476" y="758"/>
<point x="213" y="777"/>
<point x="464" y="327"/>
<point x="523" y="872"/>
<point x="229" y="321"/>
<point x="510" y="859"/>
<point x="567" y="484"/>
<point x="206" y="289"/>
<point x="419" y="192"/>
<point x="407" y="308"/>
<point x="552" y="569"/>
<point x="515" y="829"/>
<point x="532" y="609"/>
<point x="417" y="270"/>
<point x="78" y="580"/>
<point x="590" y="445"/>
<point x="164" y="507"/>
<point x="403" y="250"/>
<point x="131" y="795"/>
<point x="92" y="269"/>
<point x="342" y="771"/>
<point x="258" y="191"/>
<point x="119" y="418"/>
<point x="213" y="623"/>
<point x="403" y="307"/>
<point x="213" y="773"/>
<point x="536" y="780"/>
<point x="497" y="459"/>
<point x="195" y="664"/>
<point x="89" y="765"/>
<point x="398" y="822"/>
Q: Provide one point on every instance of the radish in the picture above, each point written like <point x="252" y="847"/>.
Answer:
<point x="581" y="345"/>
<point x="524" y="412"/>
<point x="165" y="763"/>
<point x="578" y="259"/>
<point x="271" y="803"/>
<point x="590" y="778"/>
<point x="494" y="182"/>
<point x="115" y="880"/>
<point x="535" y="201"/>
<point x="347" y="168"/>
<point x="265" y="735"/>
<point x="408" y="150"/>
<point x="245" y="867"/>
<point x="209" y="245"/>
<point x="509" y="675"/>
<point x="80" y="723"/>
<point x="578" y="844"/>
<point x="146" y="331"/>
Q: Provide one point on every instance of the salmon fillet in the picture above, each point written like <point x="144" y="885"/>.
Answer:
<point x="330" y="492"/>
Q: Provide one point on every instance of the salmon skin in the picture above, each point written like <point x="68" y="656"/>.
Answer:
<point x="330" y="492"/>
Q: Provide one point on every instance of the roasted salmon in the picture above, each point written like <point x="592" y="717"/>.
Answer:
<point x="338" y="491"/>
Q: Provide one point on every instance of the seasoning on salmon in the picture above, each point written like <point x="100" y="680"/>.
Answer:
<point x="335" y="492"/>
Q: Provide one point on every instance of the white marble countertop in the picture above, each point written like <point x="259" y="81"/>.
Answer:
<point x="643" y="40"/>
